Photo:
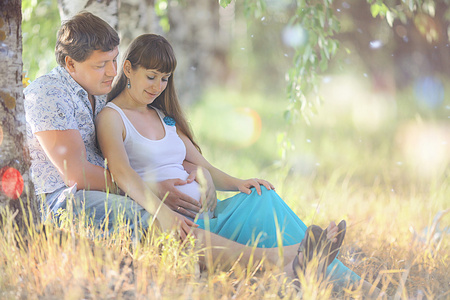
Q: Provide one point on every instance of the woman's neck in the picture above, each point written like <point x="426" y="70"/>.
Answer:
<point x="125" y="101"/>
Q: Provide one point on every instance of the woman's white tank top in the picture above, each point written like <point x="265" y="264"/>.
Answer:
<point x="157" y="160"/>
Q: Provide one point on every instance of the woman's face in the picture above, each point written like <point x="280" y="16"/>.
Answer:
<point x="147" y="84"/>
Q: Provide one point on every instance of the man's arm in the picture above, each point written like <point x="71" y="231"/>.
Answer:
<point x="180" y="202"/>
<point x="175" y="199"/>
<point x="66" y="150"/>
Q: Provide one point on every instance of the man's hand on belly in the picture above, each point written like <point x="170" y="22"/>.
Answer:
<point x="177" y="200"/>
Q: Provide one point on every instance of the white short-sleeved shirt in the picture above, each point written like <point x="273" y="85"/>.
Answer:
<point x="56" y="101"/>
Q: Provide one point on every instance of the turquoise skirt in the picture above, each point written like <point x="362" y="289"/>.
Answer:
<point x="266" y="221"/>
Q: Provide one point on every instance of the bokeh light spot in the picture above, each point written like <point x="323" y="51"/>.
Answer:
<point x="373" y="112"/>
<point x="237" y="127"/>
<point x="294" y="36"/>
<point x="376" y="44"/>
<point x="401" y="31"/>
<point x="425" y="146"/>
<point x="429" y="91"/>
<point x="11" y="182"/>
<point x="251" y="129"/>
<point x="427" y="27"/>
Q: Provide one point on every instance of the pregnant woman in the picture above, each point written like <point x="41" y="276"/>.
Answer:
<point x="145" y="137"/>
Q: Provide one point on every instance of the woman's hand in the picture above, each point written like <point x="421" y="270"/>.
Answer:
<point x="245" y="185"/>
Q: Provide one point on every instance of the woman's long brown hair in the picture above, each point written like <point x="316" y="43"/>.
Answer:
<point x="152" y="51"/>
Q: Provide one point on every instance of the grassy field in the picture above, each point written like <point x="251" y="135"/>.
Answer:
<point x="374" y="172"/>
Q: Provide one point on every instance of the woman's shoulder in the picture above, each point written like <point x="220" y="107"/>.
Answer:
<point x="108" y="113"/>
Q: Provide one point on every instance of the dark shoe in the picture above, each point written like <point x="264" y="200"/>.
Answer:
<point x="315" y="243"/>
<point x="333" y="248"/>
<point x="309" y="246"/>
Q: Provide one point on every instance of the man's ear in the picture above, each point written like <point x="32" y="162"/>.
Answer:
<point x="70" y="64"/>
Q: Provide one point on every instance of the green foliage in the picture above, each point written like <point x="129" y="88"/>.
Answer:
<point x="317" y="22"/>
<point x="312" y="28"/>
<point x="40" y="22"/>
<point x="314" y="20"/>
<point x="254" y="8"/>
<point x="161" y="12"/>
<point x="378" y="9"/>
<point x="405" y="10"/>
<point x="224" y="3"/>
<point x="311" y="58"/>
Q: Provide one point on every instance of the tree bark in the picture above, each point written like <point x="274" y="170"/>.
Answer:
<point x="201" y="44"/>
<point x="137" y="17"/>
<point x="108" y="10"/>
<point x="15" y="181"/>
<point x="196" y="34"/>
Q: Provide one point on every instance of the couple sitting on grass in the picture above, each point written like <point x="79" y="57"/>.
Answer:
<point x="152" y="156"/>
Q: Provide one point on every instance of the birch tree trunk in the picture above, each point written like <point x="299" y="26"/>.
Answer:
<point x="201" y="36"/>
<point x="200" y="41"/>
<point x="15" y="181"/>
<point x="108" y="10"/>
<point x="199" y="33"/>
<point x="137" y="17"/>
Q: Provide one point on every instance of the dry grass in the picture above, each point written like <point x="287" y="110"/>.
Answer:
<point x="381" y="246"/>
<point x="391" y="212"/>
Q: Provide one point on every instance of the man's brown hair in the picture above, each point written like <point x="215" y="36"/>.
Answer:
<point x="84" y="33"/>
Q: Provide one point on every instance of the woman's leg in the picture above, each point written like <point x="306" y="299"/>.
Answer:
<point x="103" y="209"/>
<point x="246" y="219"/>
<point x="225" y="252"/>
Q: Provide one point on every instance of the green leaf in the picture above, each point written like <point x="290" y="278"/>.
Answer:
<point x="307" y="53"/>
<point x="390" y="18"/>
<point x="326" y="52"/>
<point x="378" y="9"/>
<point x="403" y="18"/>
<point x="312" y="58"/>
<point x="374" y="10"/>
<point x="323" y="64"/>
<point x="287" y="117"/>
<point x="224" y="3"/>
<point x="333" y="47"/>
<point x="429" y="6"/>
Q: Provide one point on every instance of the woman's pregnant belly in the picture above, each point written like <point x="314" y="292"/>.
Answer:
<point x="193" y="190"/>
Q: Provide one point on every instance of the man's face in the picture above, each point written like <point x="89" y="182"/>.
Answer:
<point x="96" y="73"/>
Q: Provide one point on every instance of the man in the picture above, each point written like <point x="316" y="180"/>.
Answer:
<point x="60" y="111"/>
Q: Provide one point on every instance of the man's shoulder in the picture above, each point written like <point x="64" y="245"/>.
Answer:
<point x="52" y="81"/>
